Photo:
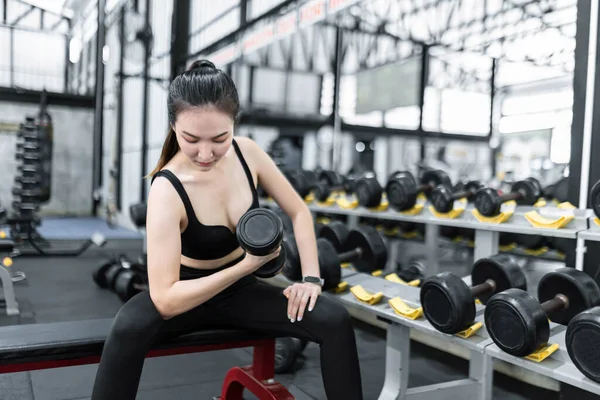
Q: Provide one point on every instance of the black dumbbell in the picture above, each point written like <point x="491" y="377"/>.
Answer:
<point x="489" y="202"/>
<point x="287" y="350"/>
<point x="128" y="283"/>
<point x="581" y="339"/>
<point x="402" y="189"/>
<point x="260" y="232"/>
<point x="137" y="212"/>
<point x="302" y="181"/>
<point x="442" y="197"/>
<point x="595" y="198"/>
<point x="364" y="249"/>
<point x="449" y="303"/>
<point x="368" y="191"/>
<point x="336" y="232"/>
<point x="518" y="323"/>
<point x="323" y="190"/>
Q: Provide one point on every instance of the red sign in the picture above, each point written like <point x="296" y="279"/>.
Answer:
<point x="312" y="12"/>
<point x="259" y="38"/>
<point x="337" y="5"/>
<point x="225" y="55"/>
<point x="286" y="25"/>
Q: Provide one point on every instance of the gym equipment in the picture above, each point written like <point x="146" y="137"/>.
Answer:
<point x="449" y="303"/>
<point x="402" y="189"/>
<point x="581" y="339"/>
<point x="595" y="198"/>
<point x="336" y="232"/>
<point x="489" y="202"/>
<point x="323" y="190"/>
<point x="287" y="350"/>
<point x="368" y="191"/>
<point x="518" y="323"/>
<point x="260" y="232"/>
<point x="442" y="197"/>
<point x="364" y="249"/>
<point x="137" y="212"/>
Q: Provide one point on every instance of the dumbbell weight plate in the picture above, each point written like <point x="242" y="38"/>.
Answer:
<point x="329" y="265"/>
<point x="137" y="212"/>
<point x="581" y="290"/>
<point x="537" y="184"/>
<point x="335" y="232"/>
<point x="299" y="182"/>
<point x="582" y="339"/>
<point x="374" y="252"/>
<point x="291" y="269"/>
<point x="99" y="274"/>
<point x="399" y="174"/>
<point x="368" y="191"/>
<point x="503" y="270"/>
<point x="595" y="199"/>
<point x="530" y="191"/>
<point x="125" y="284"/>
<point x="561" y="190"/>
<point x="259" y="232"/>
<point x="402" y="192"/>
<point x="287" y="350"/>
<point x="436" y="178"/>
<point x="111" y="275"/>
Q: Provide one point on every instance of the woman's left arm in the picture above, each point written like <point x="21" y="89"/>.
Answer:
<point x="278" y="187"/>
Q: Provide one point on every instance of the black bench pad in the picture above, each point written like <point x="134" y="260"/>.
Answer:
<point x="78" y="339"/>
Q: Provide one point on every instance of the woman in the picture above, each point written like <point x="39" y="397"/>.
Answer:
<point x="198" y="275"/>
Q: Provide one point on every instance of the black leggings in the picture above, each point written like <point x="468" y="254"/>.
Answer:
<point x="248" y="304"/>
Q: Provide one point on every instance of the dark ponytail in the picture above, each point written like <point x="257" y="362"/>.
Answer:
<point x="201" y="85"/>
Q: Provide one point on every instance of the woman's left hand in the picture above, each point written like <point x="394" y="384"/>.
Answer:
<point x="299" y="295"/>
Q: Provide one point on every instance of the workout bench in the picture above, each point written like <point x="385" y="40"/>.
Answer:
<point x="62" y="344"/>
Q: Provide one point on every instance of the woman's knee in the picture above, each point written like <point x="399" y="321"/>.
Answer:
<point x="136" y="319"/>
<point x="331" y="317"/>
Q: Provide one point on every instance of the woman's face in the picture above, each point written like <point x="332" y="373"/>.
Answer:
<point x="204" y="135"/>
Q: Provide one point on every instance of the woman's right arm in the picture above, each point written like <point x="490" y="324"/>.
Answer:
<point x="171" y="296"/>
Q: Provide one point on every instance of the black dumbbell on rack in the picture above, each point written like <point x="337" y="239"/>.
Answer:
<point x="595" y="198"/>
<point x="489" y="202"/>
<point x="449" y="303"/>
<point x="442" y="198"/>
<point x="364" y="249"/>
<point x="402" y="189"/>
<point x="519" y="323"/>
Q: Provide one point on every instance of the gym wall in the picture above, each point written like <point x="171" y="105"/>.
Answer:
<point x="71" y="157"/>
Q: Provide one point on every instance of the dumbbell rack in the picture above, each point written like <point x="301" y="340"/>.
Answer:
<point x="487" y="235"/>
<point x="481" y="349"/>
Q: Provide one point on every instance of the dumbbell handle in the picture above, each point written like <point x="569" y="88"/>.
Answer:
<point x="140" y="286"/>
<point x="558" y="302"/>
<point x="512" y="196"/>
<point x="487" y="286"/>
<point x="351" y="255"/>
<point x="463" y="194"/>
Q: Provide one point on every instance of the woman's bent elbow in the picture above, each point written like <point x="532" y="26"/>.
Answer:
<point x="163" y="306"/>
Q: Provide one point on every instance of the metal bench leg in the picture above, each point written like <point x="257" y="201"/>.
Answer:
<point x="12" y="307"/>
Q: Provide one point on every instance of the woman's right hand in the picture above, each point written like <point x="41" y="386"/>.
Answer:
<point x="255" y="262"/>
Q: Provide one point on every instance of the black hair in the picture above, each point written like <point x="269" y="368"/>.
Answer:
<point x="201" y="84"/>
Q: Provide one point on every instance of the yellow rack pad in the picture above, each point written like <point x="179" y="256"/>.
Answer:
<point x="309" y="198"/>
<point x="401" y="308"/>
<point x="361" y="294"/>
<point x="7" y="262"/>
<point x="347" y="203"/>
<point x="2" y="235"/>
<point x="543" y="353"/>
<point x="413" y="211"/>
<point x="596" y="220"/>
<point x="537" y="221"/>
<point x="508" y="247"/>
<point x="379" y="272"/>
<point x="455" y="213"/>
<point x="327" y="203"/>
<point x="540" y="203"/>
<point x="383" y="206"/>
<point x="467" y="333"/>
<point x="412" y="235"/>
<point x="536" y="252"/>
<point x="566" y="206"/>
<point x="345" y="265"/>
<point x="340" y="288"/>
<point x="395" y="278"/>
<point x="498" y="219"/>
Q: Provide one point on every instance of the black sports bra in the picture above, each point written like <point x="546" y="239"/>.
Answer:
<point x="207" y="242"/>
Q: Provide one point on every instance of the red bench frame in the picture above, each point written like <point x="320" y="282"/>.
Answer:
<point x="257" y="378"/>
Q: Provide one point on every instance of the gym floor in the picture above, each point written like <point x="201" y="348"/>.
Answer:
<point x="61" y="289"/>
